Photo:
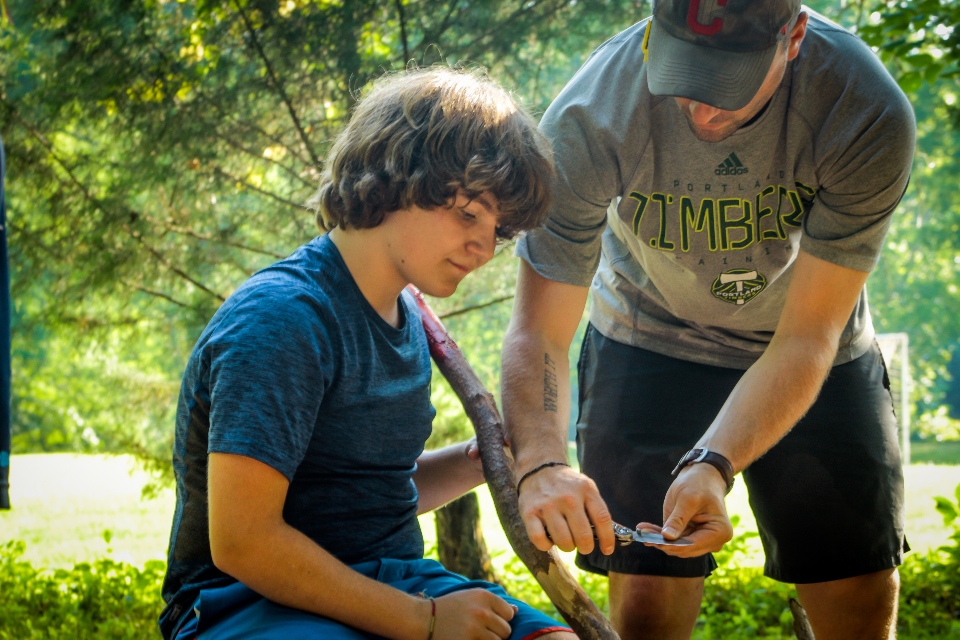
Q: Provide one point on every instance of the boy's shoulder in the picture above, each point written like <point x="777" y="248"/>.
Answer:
<point x="303" y="292"/>
<point x="310" y="292"/>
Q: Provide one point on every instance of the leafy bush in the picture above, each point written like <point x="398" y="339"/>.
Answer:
<point x="740" y="602"/>
<point x="930" y="584"/>
<point x="108" y="599"/>
<point x="105" y="599"/>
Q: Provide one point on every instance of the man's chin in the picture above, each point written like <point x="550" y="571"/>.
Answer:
<point x="712" y="135"/>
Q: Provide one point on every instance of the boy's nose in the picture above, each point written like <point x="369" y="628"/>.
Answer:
<point x="483" y="244"/>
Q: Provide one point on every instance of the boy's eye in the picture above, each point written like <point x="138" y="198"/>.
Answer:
<point x="467" y="215"/>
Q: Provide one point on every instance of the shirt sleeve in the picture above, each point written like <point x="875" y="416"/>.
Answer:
<point x="596" y="144"/>
<point x="864" y="154"/>
<point x="270" y="362"/>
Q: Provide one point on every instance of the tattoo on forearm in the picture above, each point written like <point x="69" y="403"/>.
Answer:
<point x="549" y="384"/>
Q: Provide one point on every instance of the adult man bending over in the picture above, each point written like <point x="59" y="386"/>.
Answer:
<point x="751" y="154"/>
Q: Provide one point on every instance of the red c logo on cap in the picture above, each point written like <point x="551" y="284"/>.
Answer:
<point x="699" y="27"/>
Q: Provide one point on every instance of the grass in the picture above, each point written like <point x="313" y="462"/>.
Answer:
<point x="933" y="452"/>
<point x="64" y="503"/>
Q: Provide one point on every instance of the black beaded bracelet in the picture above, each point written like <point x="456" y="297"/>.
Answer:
<point x="540" y="468"/>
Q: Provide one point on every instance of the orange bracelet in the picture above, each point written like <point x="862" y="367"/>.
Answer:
<point x="433" y="617"/>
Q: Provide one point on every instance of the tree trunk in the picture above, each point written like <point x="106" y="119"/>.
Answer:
<point x="571" y="600"/>
<point x="460" y="540"/>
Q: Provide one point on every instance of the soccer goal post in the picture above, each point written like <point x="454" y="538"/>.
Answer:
<point x="895" y="349"/>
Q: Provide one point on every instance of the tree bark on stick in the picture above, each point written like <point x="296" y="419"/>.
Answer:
<point x="801" y="625"/>
<point x="571" y="600"/>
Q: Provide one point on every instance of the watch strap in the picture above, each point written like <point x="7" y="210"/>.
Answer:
<point x="714" y="459"/>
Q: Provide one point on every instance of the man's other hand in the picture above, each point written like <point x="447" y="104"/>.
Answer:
<point x="694" y="509"/>
<point x="558" y="505"/>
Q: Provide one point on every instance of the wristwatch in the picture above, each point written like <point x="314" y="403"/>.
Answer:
<point x="714" y="459"/>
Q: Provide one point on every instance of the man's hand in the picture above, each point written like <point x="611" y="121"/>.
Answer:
<point x="694" y="509"/>
<point x="558" y="505"/>
<point x="474" y="614"/>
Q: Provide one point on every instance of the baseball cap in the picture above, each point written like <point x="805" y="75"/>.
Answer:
<point x="717" y="52"/>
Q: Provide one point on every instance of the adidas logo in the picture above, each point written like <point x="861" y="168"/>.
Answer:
<point x="731" y="167"/>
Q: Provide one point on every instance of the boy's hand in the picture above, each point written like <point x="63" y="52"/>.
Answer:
<point x="474" y="614"/>
<point x="472" y="451"/>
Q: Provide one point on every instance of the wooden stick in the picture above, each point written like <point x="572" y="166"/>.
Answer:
<point x="561" y="587"/>
<point x="801" y="625"/>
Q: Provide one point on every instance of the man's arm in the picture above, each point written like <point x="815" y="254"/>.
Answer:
<point x="536" y="402"/>
<point x="769" y="400"/>
<point x="446" y="474"/>
<point x="250" y="541"/>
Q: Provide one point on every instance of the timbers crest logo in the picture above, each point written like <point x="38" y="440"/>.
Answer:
<point x="738" y="286"/>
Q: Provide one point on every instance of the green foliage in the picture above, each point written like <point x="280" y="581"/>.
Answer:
<point x="919" y="39"/>
<point x="108" y="599"/>
<point x="938" y="424"/>
<point x="159" y="154"/>
<point x="934" y="452"/>
<point x="105" y="599"/>
<point x="930" y="584"/>
<point x="737" y="545"/>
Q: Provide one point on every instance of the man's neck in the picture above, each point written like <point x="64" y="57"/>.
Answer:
<point x="365" y="254"/>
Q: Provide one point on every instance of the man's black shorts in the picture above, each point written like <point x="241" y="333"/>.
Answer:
<point x="828" y="498"/>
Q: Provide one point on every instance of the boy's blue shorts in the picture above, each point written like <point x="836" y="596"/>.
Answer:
<point x="237" y="611"/>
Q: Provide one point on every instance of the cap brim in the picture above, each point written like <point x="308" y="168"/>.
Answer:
<point x="721" y="79"/>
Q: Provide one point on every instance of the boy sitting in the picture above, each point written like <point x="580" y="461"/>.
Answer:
<point x="305" y="404"/>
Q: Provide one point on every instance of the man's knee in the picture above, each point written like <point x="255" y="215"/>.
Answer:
<point x="654" y="606"/>
<point x="862" y="607"/>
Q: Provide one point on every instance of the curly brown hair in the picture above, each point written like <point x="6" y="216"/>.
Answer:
<point x="418" y="137"/>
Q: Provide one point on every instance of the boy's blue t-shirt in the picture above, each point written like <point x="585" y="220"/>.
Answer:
<point x="298" y="371"/>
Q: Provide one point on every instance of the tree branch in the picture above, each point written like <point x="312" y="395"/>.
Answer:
<point x="278" y="86"/>
<point x="801" y="625"/>
<point x="547" y="567"/>
<point x="158" y="294"/>
<point x="165" y="261"/>
<point x="223" y="174"/>
<point x="253" y="154"/>
<point x="429" y="37"/>
<point x="210" y="238"/>
<point x="526" y="8"/>
<point x="482" y="305"/>
<point x="403" y="32"/>
<point x="101" y="207"/>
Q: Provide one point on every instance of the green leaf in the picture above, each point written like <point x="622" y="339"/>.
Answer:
<point x="932" y="73"/>
<point x="946" y="509"/>
<point x="920" y="60"/>
<point x="910" y="82"/>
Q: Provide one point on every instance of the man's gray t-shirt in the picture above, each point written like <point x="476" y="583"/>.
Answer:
<point x="298" y="371"/>
<point x="695" y="252"/>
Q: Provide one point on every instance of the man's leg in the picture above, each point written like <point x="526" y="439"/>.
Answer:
<point x="860" y="608"/>
<point x="639" y="413"/>
<point x="829" y="505"/>
<point x="643" y="607"/>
